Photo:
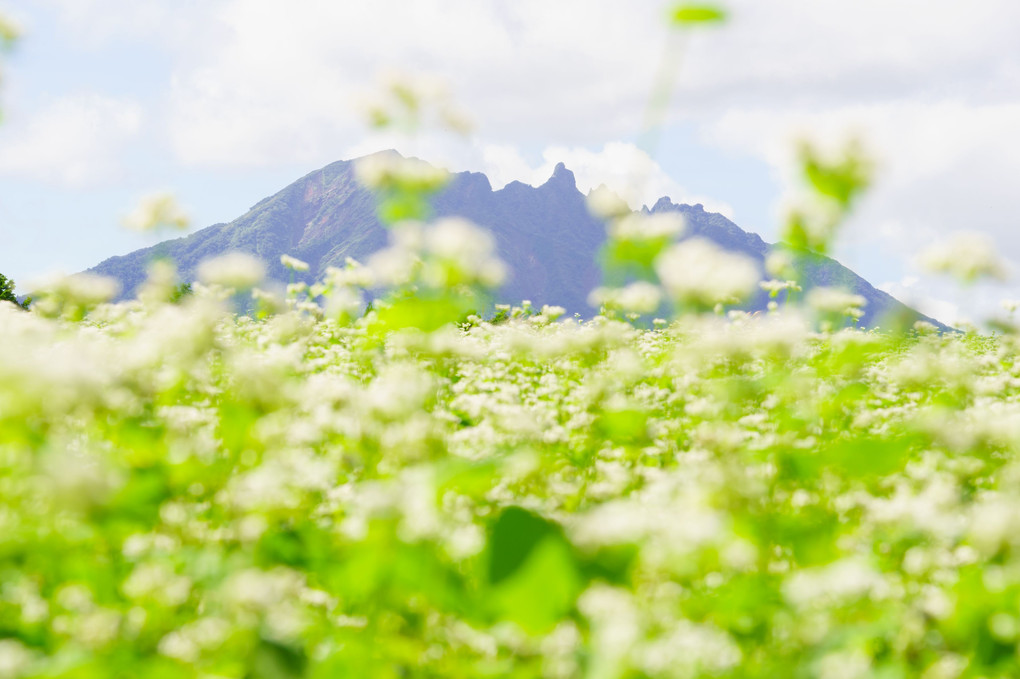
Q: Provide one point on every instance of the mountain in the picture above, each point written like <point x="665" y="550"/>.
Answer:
<point x="545" y="234"/>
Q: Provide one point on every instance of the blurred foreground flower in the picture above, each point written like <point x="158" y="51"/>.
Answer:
<point x="603" y="202"/>
<point x="407" y="102"/>
<point x="833" y="302"/>
<point x="636" y="240"/>
<point x="642" y="227"/>
<point x="833" y="180"/>
<point x="699" y="273"/>
<point x="234" y="270"/>
<point x="161" y="283"/>
<point x="967" y="256"/>
<point x="293" y="263"/>
<point x="389" y="170"/>
<point x="639" y="297"/>
<point x="404" y="185"/>
<point x="461" y="252"/>
<point x="157" y="212"/>
<point x="774" y="287"/>
<point x="71" y="297"/>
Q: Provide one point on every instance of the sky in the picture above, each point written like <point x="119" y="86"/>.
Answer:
<point x="224" y="102"/>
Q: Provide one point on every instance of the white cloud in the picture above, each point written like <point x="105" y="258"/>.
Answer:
<point x="624" y="168"/>
<point x="932" y="87"/>
<point x="918" y="297"/>
<point x="72" y="142"/>
<point x="282" y="84"/>
<point x="953" y="304"/>
<point x="502" y="164"/>
<point x="932" y="91"/>
<point x="942" y="168"/>
<point x="97" y="23"/>
<point x="927" y="85"/>
<point x="259" y="85"/>
<point x="797" y="51"/>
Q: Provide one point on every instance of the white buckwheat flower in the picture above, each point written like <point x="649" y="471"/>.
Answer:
<point x="966" y="256"/>
<point x="639" y="297"/>
<point x="774" y="287"/>
<point x="697" y="271"/>
<point x="293" y="263"/>
<point x="464" y="251"/>
<point x="833" y="301"/>
<point x="602" y="202"/>
<point x="637" y="226"/>
<point x="390" y="170"/>
<point x="155" y="212"/>
<point x="65" y="294"/>
<point x="233" y="270"/>
<point x="14" y="658"/>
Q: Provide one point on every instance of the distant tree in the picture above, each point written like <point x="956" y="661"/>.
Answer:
<point x="180" y="292"/>
<point x="7" y="292"/>
<point x="501" y="316"/>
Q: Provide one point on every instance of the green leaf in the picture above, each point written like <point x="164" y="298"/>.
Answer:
<point x="628" y="425"/>
<point x="611" y="563"/>
<point x="543" y="590"/>
<point x="623" y="259"/>
<point x="870" y="457"/>
<point x="533" y="570"/>
<point x="403" y="205"/>
<point x="841" y="179"/>
<point x="274" y="661"/>
<point x="428" y="312"/>
<point x="690" y="15"/>
<point x="514" y="535"/>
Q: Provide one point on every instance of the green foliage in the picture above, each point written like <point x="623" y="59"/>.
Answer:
<point x="7" y="293"/>
<point x="841" y="179"/>
<point x="623" y="259"/>
<point x="501" y="315"/>
<point x="531" y="570"/>
<point x="406" y="490"/>
<point x="299" y="497"/>
<point x="834" y="183"/>
<point x="180" y="292"/>
<point x="687" y="14"/>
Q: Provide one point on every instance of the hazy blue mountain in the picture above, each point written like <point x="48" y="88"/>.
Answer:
<point x="545" y="234"/>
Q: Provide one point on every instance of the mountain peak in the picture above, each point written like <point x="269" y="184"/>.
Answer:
<point x="561" y="176"/>
<point x="546" y="235"/>
<point x="474" y="180"/>
<point x="663" y="203"/>
<point x="382" y="153"/>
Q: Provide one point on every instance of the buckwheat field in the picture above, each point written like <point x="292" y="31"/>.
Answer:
<point x="317" y="489"/>
<point x="385" y="474"/>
